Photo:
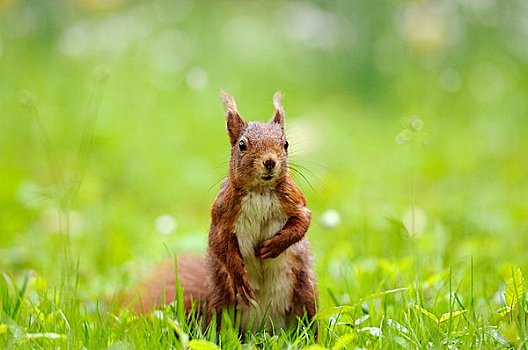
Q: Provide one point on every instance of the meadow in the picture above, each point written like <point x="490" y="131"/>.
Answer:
<point x="408" y="129"/>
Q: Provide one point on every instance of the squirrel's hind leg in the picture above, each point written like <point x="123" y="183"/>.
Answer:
<point x="304" y="296"/>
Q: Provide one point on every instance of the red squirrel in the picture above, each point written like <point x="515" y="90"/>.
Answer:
<point x="258" y="258"/>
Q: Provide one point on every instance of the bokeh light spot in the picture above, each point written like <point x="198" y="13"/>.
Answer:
<point x="165" y="224"/>
<point x="330" y="219"/>
<point x="197" y="78"/>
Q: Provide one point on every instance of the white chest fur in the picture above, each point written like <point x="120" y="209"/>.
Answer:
<point x="260" y="219"/>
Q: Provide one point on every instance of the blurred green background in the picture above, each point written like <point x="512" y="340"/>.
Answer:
<point x="408" y="121"/>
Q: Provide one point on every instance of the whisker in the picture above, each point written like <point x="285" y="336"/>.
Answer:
<point x="215" y="184"/>
<point x="303" y="167"/>
<point x="298" y="172"/>
<point x="220" y="174"/>
<point x="221" y="165"/>
<point x="298" y="168"/>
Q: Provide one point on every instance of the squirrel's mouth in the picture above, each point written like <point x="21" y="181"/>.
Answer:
<point x="267" y="177"/>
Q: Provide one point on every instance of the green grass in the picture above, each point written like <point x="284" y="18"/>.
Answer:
<point x="433" y="313"/>
<point x="410" y="139"/>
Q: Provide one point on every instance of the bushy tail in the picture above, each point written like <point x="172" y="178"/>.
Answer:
<point x="159" y="288"/>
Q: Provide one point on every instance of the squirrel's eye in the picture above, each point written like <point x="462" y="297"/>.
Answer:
<point x="286" y="145"/>
<point x="242" y="145"/>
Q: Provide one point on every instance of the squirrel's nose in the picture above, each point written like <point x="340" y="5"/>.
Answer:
<point x="269" y="164"/>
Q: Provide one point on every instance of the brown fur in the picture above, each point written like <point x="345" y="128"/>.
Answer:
<point x="160" y="287"/>
<point x="224" y="258"/>
<point x="221" y="280"/>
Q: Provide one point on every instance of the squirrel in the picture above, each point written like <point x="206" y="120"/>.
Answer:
<point x="258" y="258"/>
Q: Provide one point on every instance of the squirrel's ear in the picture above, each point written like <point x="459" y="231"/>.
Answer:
<point x="278" y="117"/>
<point x="235" y="123"/>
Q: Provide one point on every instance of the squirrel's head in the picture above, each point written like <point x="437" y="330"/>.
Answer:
<point x="259" y="151"/>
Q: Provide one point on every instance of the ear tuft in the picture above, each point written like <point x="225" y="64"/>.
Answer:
<point x="277" y="98"/>
<point x="235" y="123"/>
<point x="278" y="117"/>
<point x="229" y="103"/>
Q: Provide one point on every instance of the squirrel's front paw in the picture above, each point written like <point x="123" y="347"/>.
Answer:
<point x="243" y="288"/>
<point x="269" y="249"/>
